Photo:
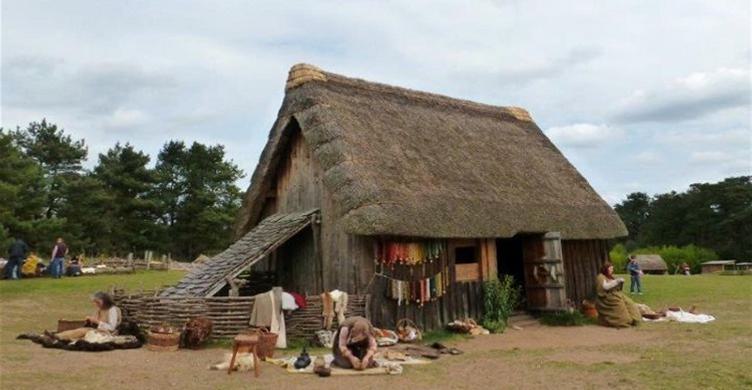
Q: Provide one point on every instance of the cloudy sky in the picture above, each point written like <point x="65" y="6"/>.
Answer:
<point x="639" y="95"/>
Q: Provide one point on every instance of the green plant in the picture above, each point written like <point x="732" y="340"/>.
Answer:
<point x="500" y="297"/>
<point x="566" y="318"/>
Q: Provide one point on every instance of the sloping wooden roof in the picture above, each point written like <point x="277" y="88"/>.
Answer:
<point x="651" y="262"/>
<point x="403" y="162"/>
<point x="210" y="276"/>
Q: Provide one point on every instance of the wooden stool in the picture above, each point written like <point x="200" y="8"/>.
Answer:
<point x="245" y="341"/>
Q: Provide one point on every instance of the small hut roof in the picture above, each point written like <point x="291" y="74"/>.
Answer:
<point x="403" y="162"/>
<point x="719" y="262"/>
<point x="651" y="262"/>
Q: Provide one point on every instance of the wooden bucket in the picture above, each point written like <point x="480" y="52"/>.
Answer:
<point x="163" y="342"/>
<point x="63" y="325"/>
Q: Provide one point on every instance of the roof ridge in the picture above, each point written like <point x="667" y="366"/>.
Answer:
<point x="303" y="73"/>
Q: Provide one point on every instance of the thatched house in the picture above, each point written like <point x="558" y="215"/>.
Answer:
<point x="414" y="199"/>
<point x="652" y="264"/>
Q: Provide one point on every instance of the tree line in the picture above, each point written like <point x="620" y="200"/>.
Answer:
<point x="184" y="204"/>
<point x="716" y="216"/>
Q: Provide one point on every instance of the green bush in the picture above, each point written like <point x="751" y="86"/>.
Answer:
<point x="673" y="255"/>
<point x="566" y="318"/>
<point x="500" y="297"/>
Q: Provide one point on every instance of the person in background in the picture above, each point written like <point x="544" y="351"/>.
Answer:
<point x="16" y="256"/>
<point x="615" y="309"/>
<point x="684" y="269"/>
<point x="74" y="267"/>
<point x="354" y="344"/>
<point x="635" y="274"/>
<point x="105" y="320"/>
<point x="58" y="256"/>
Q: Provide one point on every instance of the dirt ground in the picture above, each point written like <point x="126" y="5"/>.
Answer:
<point x="517" y="358"/>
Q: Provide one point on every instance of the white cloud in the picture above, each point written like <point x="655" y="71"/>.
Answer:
<point x="125" y="118"/>
<point x="690" y="97"/>
<point x="583" y="135"/>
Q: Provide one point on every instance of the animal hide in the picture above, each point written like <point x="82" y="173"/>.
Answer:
<point x="243" y="362"/>
<point x="129" y="336"/>
<point x="113" y="342"/>
<point x="196" y="332"/>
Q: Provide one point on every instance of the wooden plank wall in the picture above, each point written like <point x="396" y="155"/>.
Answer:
<point x="462" y="300"/>
<point x="230" y="315"/>
<point x="582" y="262"/>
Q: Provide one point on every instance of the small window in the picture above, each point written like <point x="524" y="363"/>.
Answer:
<point x="465" y="255"/>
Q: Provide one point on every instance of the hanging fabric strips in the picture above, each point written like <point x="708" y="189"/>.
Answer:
<point x="417" y="291"/>
<point x="411" y="253"/>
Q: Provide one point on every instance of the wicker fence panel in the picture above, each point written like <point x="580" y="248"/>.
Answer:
<point x="230" y="315"/>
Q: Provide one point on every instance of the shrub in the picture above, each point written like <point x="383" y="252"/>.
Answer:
<point x="500" y="297"/>
<point x="673" y="255"/>
<point x="566" y="318"/>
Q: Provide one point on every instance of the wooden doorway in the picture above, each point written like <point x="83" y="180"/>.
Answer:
<point x="544" y="272"/>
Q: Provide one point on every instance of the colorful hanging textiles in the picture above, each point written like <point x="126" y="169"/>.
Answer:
<point x="411" y="253"/>
<point x="417" y="291"/>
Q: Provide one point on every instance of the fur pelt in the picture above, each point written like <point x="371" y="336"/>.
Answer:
<point x="195" y="332"/>
<point x="243" y="362"/>
<point x="129" y="336"/>
<point x="119" y="342"/>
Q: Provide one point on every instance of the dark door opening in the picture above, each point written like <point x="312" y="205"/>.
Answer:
<point x="509" y="260"/>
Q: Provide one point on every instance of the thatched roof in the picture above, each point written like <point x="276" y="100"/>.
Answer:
<point x="403" y="162"/>
<point x="651" y="262"/>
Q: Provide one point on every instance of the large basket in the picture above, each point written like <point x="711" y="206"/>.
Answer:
<point x="267" y="342"/>
<point x="63" y="325"/>
<point x="163" y="342"/>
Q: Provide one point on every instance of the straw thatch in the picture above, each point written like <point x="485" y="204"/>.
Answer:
<point x="403" y="162"/>
<point x="651" y="263"/>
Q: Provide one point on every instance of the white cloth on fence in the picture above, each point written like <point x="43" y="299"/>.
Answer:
<point x="288" y="302"/>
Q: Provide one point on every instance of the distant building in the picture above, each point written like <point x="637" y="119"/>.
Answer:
<point x="652" y="264"/>
<point x="710" y="267"/>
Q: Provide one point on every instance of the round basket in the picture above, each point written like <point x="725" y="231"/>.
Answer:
<point x="163" y="342"/>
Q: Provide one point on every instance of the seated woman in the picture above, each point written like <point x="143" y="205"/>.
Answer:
<point x="354" y="344"/>
<point x="614" y="308"/>
<point x="105" y="321"/>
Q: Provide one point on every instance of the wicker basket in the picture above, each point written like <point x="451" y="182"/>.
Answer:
<point x="63" y="325"/>
<point x="163" y="342"/>
<point x="408" y="332"/>
<point x="267" y="342"/>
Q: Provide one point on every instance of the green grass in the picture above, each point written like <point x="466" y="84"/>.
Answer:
<point x="87" y="284"/>
<point x="565" y="318"/>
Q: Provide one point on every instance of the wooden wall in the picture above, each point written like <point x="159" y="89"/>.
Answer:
<point x="582" y="262"/>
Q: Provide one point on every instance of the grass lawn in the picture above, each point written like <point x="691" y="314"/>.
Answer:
<point x="655" y="355"/>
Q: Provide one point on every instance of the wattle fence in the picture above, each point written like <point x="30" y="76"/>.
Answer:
<point x="230" y="315"/>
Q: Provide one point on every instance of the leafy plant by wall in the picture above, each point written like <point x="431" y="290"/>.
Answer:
<point x="500" y="297"/>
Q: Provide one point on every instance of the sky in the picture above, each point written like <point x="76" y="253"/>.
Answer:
<point x="639" y="95"/>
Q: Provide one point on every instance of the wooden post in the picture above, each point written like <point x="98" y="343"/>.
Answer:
<point x="130" y="262"/>
<point x="148" y="260"/>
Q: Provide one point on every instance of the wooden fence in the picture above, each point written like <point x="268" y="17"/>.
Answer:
<point x="230" y="315"/>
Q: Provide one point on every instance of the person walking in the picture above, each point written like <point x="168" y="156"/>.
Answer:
<point x="635" y="273"/>
<point x="58" y="258"/>
<point x="16" y="256"/>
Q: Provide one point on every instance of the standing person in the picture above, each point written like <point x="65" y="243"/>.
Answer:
<point x="635" y="273"/>
<point x="58" y="257"/>
<point x="16" y="256"/>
